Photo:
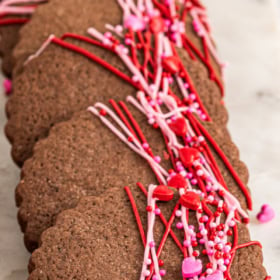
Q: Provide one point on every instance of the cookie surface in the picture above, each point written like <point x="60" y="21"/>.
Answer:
<point x="9" y="37"/>
<point x="66" y="166"/>
<point x="44" y="91"/>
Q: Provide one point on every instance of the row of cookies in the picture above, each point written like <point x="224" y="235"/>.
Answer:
<point x="67" y="153"/>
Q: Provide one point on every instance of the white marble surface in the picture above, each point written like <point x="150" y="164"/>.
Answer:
<point x="248" y="35"/>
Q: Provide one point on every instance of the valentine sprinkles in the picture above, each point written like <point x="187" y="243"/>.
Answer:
<point x="10" y="9"/>
<point x="147" y="43"/>
<point x="199" y="189"/>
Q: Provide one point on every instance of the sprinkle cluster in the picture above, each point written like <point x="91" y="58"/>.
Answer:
<point x="194" y="178"/>
<point x="18" y="7"/>
<point x="147" y="44"/>
<point x="195" y="172"/>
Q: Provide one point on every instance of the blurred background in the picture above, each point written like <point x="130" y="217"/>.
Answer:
<point x="247" y="33"/>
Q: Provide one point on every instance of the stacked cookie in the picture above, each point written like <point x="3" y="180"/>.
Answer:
<point x="109" y="94"/>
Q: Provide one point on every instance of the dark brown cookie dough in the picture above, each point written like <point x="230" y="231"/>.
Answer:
<point x="58" y="83"/>
<point x="99" y="239"/>
<point x="82" y="157"/>
<point x="9" y="36"/>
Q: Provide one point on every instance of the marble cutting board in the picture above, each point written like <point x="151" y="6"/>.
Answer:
<point x="248" y="35"/>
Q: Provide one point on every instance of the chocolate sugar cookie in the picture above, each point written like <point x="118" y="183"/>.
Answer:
<point x="99" y="239"/>
<point x="81" y="157"/>
<point x="60" y="81"/>
<point x="168" y="138"/>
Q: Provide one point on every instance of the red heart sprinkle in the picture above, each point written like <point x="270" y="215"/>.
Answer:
<point x="179" y="127"/>
<point x="163" y="193"/>
<point x="190" y="200"/>
<point x="188" y="156"/>
<point x="171" y="64"/>
<point x="177" y="181"/>
<point x="156" y="24"/>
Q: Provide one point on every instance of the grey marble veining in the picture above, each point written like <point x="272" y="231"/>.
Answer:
<point x="248" y="36"/>
<point x="13" y="256"/>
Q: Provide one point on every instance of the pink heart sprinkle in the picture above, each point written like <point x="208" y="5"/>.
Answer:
<point x="135" y="23"/>
<point x="217" y="275"/>
<point x="191" y="267"/>
<point x="266" y="214"/>
<point x="7" y="86"/>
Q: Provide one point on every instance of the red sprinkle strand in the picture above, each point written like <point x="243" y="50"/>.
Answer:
<point x="12" y="21"/>
<point x="136" y="213"/>
<point x="94" y="58"/>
